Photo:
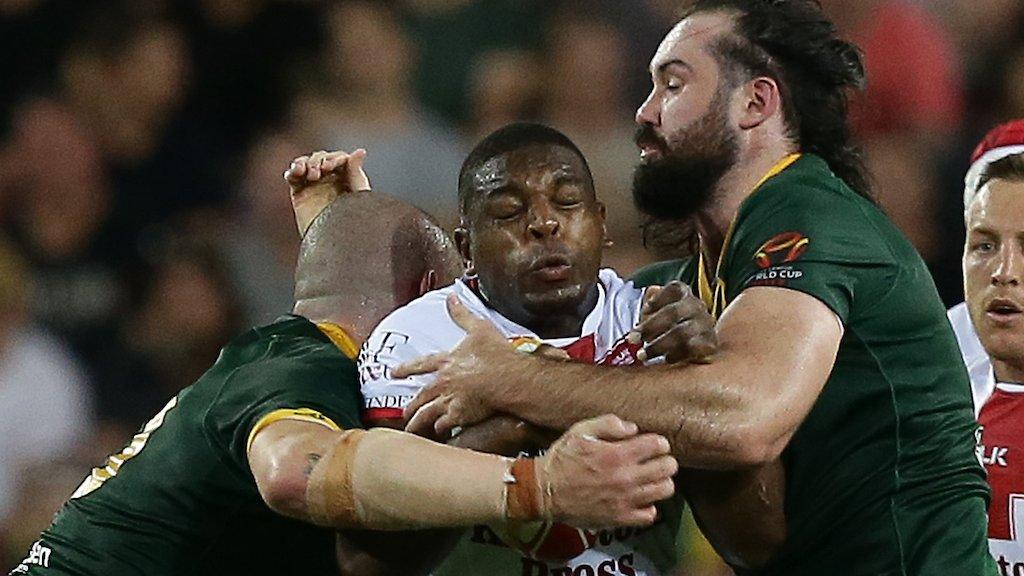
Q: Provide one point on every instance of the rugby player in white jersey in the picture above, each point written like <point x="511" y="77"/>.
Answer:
<point x="532" y="235"/>
<point x="990" y="329"/>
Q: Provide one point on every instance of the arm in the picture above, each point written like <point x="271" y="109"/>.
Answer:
<point x="777" y="347"/>
<point x="388" y="480"/>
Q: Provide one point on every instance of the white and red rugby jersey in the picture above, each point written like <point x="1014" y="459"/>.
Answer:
<point x="1000" y="409"/>
<point x="424" y="327"/>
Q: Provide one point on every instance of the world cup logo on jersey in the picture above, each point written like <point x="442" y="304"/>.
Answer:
<point x="780" y="249"/>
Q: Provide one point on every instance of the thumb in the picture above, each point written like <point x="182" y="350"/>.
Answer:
<point x="608" y="427"/>
<point x="357" y="179"/>
<point x="463" y="317"/>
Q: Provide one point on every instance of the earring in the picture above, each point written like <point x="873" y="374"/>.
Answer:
<point x="470" y="271"/>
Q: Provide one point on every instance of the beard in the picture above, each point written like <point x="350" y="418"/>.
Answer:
<point x="683" y="180"/>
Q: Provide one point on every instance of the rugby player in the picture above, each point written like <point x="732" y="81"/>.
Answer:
<point x="532" y="232"/>
<point x="242" y="472"/>
<point x="835" y="352"/>
<point x="990" y="329"/>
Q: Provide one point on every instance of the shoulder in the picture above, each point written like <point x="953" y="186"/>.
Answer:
<point x="424" y="311"/>
<point x="975" y="358"/>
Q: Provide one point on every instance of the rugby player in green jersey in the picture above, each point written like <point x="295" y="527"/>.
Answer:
<point x="835" y="353"/>
<point x="245" y="471"/>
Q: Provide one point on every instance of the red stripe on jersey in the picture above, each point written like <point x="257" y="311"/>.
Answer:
<point x="1002" y="419"/>
<point x="383" y="414"/>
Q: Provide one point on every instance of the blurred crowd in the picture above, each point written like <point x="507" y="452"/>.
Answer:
<point x="144" y="221"/>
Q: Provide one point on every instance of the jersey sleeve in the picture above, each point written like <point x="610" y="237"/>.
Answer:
<point x="390" y="345"/>
<point x="323" y="391"/>
<point x="813" y="241"/>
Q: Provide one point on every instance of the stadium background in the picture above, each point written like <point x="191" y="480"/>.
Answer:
<point x="143" y="219"/>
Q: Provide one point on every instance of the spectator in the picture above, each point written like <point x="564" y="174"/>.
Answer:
<point x="44" y="397"/>
<point x="591" y="53"/>
<point x="368" y="101"/>
<point x="62" y="196"/>
<point x="187" y="313"/>
<point x="259" y="243"/>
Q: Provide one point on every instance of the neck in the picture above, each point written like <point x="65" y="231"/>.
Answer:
<point x="565" y="322"/>
<point x="358" y="323"/>
<point x="1009" y="372"/>
<point x="735" y="186"/>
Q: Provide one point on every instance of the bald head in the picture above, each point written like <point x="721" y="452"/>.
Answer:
<point x="367" y="254"/>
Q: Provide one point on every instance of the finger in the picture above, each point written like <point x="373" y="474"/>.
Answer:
<point x="672" y="292"/>
<point x="650" y="493"/>
<point x="699" y="349"/>
<point x="358" y="181"/>
<point x="463" y="317"/>
<point x="676" y="340"/>
<point x="333" y="161"/>
<point x="315" y="163"/>
<point x="657" y="469"/>
<point x="422" y="421"/>
<point x="644" y="516"/>
<point x="645" y="447"/>
<point x="296" y="172"/>
<point x="607" y="427"/>
<point x="421" y="365"/>
<point x="649" y="295"/>
<point x="445" y="424"/>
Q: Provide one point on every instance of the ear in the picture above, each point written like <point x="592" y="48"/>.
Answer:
<point x="602" y="212"/>
<point x="762" y="100"/>
<point x="462" y="241"/>
<point x="428" y="281"/>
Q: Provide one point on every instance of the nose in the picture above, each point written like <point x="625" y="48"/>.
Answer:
<point x="649" y="112"/>
<point x="1010" y="268"/>
<point x="543" y="224"/>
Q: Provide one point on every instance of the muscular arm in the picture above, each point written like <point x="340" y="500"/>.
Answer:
<point x="777" y="347"/>
<point x="368" y="553"/>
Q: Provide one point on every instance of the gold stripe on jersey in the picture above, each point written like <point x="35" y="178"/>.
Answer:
<point x="340" y="338"/>
<point x="114" y="462"/>
<point x="301" y="414"/>
<point x="714" y="298"/>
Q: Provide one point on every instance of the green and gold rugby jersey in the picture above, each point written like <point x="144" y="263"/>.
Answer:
<point x="180" y="498"/>
<point x="881" y="477"/>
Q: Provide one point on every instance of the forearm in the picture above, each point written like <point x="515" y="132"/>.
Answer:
<point x="396" y="481"/>
<point x="704" y="412"/>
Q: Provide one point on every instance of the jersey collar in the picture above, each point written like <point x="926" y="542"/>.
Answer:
<point x="339" y="338"/>
<point x="714" y="298"/>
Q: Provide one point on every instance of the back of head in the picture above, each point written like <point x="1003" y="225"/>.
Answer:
<point x="365" y="255"/>
<point x="793" y="42"/>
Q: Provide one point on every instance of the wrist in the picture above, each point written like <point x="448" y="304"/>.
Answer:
<point x="527" y="493"/>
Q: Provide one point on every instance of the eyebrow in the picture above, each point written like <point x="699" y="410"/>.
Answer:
<point x="675" y="62"/>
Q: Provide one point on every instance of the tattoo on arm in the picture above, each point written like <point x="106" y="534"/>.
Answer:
<point x="311" y="460"/>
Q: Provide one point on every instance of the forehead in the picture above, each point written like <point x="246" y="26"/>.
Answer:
<point x="525" y="163"/>
<point x="999" y="205"/>
<point x="688" y="40"/>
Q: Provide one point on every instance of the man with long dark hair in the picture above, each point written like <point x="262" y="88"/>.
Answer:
<point x="835" y="353"/>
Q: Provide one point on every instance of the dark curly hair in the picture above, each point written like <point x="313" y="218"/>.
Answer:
<point x="795" y="44"/>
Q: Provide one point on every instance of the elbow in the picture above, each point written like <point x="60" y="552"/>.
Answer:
<point x="738" y="447"/>
<point x="759" y="445"/>
<point x="283" y="489"/>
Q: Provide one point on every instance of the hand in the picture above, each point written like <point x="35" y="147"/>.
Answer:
<point x="601" y="473"/>
<point x="675" y="324"/>
<point x="465" y="379"/>
<point x="504" y="435"/>
<point x="316" y="180"/>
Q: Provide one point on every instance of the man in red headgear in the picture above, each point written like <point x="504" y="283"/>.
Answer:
<point x="990" y="328"/>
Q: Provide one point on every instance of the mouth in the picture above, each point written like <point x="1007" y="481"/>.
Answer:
<point x="1003" y="310"/>
<point x="649" y="150"/>
<point x="555" y="268"/>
